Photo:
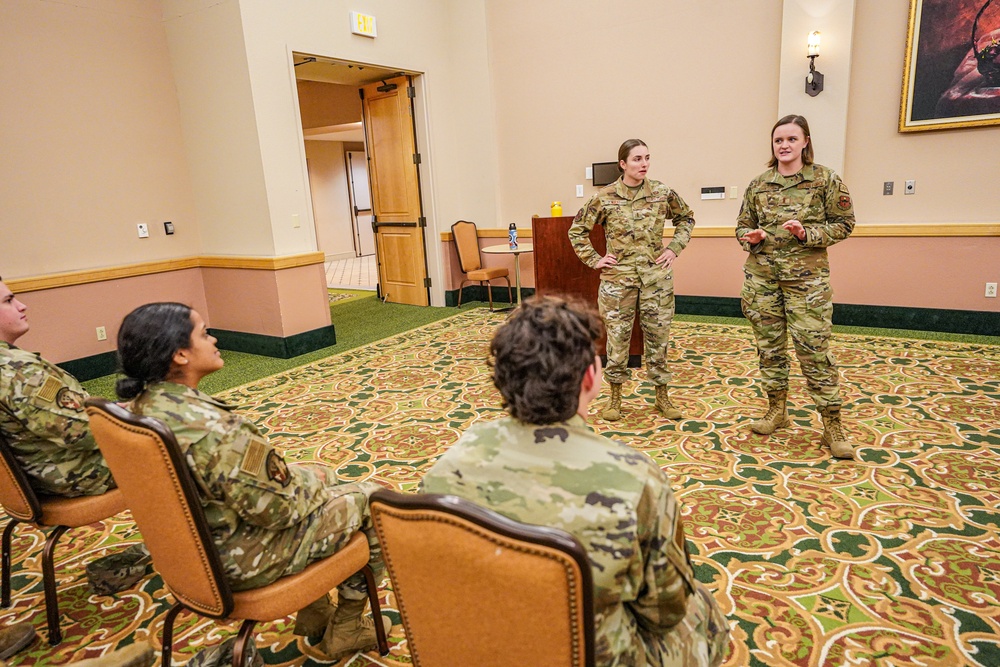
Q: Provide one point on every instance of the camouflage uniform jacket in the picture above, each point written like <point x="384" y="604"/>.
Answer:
<point x="615" y="500"/>
<point x="818" y="199"/>
<point x="253" y="500"/>
<point x="633" y="227"/>
<point x="43" y="420"/>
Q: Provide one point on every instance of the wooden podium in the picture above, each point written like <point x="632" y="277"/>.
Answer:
<point x="559" y="270"/>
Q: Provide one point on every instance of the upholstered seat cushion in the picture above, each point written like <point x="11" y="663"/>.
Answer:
<point x="487" y="274"/>
<point x="82" y="510"/>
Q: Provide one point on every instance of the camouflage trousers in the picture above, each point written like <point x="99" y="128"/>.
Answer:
<point x="617" y="304"/>
<point x="343" y="515"/>
<point x="323" y="532"/>
<point x="804" y="308"/>
<point x="699" y="640"/>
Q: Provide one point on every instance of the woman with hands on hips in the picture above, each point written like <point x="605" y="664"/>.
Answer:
<point x="637" y="269"/>
<point x="790" y="215"/>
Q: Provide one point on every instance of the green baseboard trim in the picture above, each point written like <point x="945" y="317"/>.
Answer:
<point x="478" y="293"/>
<point x="88" y="368"/>
<point x="276" y="346"/>
<point x="715" y="306"/>
<point x="976" y="322"/>
<point x="973" y="322"/>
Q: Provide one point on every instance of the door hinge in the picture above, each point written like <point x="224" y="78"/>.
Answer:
<point x="416" y="158"/>
<point x="411" y="92"/>
<point x="427" y="282"/>
<point x="421" y="221"/>
<point x="374" y="222"/>
<point x="361" y="93"/>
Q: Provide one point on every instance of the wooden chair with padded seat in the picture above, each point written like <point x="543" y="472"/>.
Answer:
<point x="152" y="472"/>
<point x="471" y="261"/>
<point x="60" y="514"/>
<point x="476" y="588"/>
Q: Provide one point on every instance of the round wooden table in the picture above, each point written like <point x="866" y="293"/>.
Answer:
<point x="505" y="249"/>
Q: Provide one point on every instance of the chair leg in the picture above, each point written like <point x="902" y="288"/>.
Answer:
<point x="8" y="532"/>
<point x="489" y="292"/>
<point x="460" y="288"/>
<point x="242" y="640"/>
<point x="49" y="580"/>
<point x="383" y="643"/>
<point x="168" y="633"/>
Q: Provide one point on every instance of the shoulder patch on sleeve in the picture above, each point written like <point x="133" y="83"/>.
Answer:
<point x="843" y="188"/>
<point x="277" y="469"/>
<point x="49" y="390"/>
<point x="69" y="399"/>
<point x="254" y="457"/>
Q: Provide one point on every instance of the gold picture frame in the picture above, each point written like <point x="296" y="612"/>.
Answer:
<point x="943" y="84"/>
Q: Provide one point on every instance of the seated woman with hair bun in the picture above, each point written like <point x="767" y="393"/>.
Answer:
<point x="268" y="519"/>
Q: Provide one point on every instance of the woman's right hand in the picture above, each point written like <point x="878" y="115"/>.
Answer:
<point x="607" y="260"/>
<point x="755" y="236"/>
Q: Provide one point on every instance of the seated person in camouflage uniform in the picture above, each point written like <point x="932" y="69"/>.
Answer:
<point x="43" y="420"/>
<point x="543" y="465"/>
<point x="267" y="518"/>
<point x="42" y="416"/>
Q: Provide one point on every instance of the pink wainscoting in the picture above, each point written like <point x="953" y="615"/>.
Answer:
<point x="64" y="320"/>
<point x="273" y="303"/>
<point x="912" y="272"/>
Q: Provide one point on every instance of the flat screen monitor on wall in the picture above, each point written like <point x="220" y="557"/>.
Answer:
<point x="605" y="173"/>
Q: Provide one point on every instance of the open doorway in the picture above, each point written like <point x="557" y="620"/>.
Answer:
<point x="368" y="239"/>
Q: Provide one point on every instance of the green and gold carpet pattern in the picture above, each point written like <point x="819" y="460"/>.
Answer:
<point x="891" y="560"/>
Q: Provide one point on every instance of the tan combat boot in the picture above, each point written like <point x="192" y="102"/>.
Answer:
<point x="612" y="411"/>
<point x="312" y="621"/>
<point x="663" y="404"/>
<point x="351" y="631"/>
<point x="15" y="637"/>
<point x="776" y="416"/>
<point x="833" y="434"/>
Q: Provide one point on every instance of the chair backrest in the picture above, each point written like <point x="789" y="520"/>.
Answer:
<point x="16" y="495"/>
<point x="467" y="245"/>
<point x="151" y="471"/>
<point x="476" y="588"/>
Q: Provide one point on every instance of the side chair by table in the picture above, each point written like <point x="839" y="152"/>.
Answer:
<point x="152" y="472"/>
<point x="469" y="258"/>
<point x="60" y="514"/>
<point x="476" y="588"/>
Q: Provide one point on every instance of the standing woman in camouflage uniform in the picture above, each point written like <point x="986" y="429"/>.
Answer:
<point x="790" y="215"/>
<point x="267" y="519"/>
<point x="637" y="269"/>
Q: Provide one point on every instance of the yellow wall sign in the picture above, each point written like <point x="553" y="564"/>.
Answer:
<point x="362" y="24"/>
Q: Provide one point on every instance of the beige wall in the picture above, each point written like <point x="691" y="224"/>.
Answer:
<point x="330" y="200"/>
<point x="91" y="137"/>
<point x="573" y="80"/>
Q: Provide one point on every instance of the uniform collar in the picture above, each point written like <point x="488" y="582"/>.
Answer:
<point x="174" y="389"/>
<point x="806" y="173"/>
<point x="623" y="191"/>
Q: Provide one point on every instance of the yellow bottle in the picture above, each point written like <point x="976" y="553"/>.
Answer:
<point x="556" y="209"/>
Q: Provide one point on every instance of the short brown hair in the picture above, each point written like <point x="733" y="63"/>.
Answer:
<point x="540" y="355"/>
<point x="807" y="152"/>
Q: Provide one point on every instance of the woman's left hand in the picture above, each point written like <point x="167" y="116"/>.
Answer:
<point x="796" y="229"/>
<point x="666" y="258"/>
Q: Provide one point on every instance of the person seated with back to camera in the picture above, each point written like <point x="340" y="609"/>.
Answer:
<point x="268" y="519"/>
<point x="46" y="428"/>
<point x="543" y="465"/>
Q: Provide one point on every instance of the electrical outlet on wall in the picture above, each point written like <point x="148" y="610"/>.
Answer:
<point x="143" y="230"/>
<point x="991" y="290"/>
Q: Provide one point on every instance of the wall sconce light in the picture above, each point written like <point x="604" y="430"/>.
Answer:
<point x="814" y="81"/>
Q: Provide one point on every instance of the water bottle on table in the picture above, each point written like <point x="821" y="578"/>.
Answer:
<point x="512" y="236"/>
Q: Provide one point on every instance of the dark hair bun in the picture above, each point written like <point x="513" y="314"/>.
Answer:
<point x="128" y="388"/>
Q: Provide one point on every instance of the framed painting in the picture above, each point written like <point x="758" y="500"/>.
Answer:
<point x="951" y="76"/>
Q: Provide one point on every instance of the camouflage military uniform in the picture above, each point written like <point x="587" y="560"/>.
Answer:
<point x="43" y="420"/>
<point x="787" y="281"/>
<point x="633" y="227"/>
<point x="649" y="608"/>
<point x="268" y="519"/>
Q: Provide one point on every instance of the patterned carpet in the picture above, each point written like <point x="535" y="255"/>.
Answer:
<point x="892" y="560"/>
